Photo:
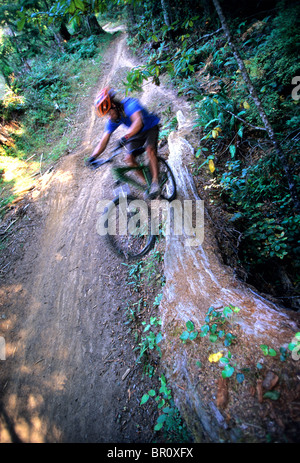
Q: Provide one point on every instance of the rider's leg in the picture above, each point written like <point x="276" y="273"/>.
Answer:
<point x="152" y="156"/>
<point x="131" y="161"/>
<point x="151" y="148"/>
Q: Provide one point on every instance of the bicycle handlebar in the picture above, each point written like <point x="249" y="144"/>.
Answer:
<point x="116" y="151"/>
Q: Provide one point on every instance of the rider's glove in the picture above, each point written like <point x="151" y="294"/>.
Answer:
<point x="122" y="142"/>
<point x="90" y="161"/>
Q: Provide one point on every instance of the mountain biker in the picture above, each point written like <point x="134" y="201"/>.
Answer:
<point x="142" y="129"/>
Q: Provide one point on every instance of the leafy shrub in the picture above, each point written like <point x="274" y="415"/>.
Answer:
<point x="265" y="215"/>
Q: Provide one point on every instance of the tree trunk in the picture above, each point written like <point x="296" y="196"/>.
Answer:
<point x="261" y="111"/>
<point x="166" y="12"/>
<point x="63" y="31"/>
<point x="94" y="26"/>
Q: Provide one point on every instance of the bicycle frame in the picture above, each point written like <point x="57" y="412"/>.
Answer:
<point x="120" y="173"/>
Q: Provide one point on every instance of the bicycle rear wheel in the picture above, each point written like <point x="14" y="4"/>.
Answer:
<point x="129" y="227"/>
<point x="166" y="180"/>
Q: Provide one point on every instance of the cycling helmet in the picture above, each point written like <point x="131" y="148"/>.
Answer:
<point x="103" y="101"/>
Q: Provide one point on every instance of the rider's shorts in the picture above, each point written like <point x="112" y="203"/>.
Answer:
<point x="147" y="138"/>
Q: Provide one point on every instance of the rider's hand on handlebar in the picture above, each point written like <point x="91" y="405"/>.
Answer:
<point x="122" y="142"/>
<point x="90" y="161"/>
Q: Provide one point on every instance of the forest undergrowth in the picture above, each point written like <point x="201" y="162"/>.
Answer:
<point x="236" y="168"/>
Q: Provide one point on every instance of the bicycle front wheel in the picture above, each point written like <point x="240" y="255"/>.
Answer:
<point x="166" y="180"/>
<point x="129" y="227"/>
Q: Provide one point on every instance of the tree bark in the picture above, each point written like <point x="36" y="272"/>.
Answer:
<point x="261" y="111"/>
<point x="94" y="26"/>
<point x="166" y="12"/>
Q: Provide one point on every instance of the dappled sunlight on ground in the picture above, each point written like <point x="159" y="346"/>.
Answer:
<point x="18" y="173"/>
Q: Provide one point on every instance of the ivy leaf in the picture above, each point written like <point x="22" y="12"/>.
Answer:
<point x="190" y="325"/>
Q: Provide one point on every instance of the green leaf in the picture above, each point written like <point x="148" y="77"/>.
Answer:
<point x="193" y="335"/>
<point x="161" y="403"/>
<point x="190" y="325"/>
<point x="163" y="380"/>
<point x="264" y="348"/>
<point x="151" y="393"/>
<point x="227" y="311"/>
<point x="214" y="328"/>
<point x="273" y="395"/>
<point x="213" y="337"/>
<point x="80" y="5"/>
<point x="272" y="352"/>
<point x="232" y="150"/>
<point x="21" y="23"/>
<point x="240" y="132"/>
<point x="158" y="338"/>
<point x="161" y="419"/>
<point x="185" y="336"/>
<point x="292" y="346"/>
<point x="158" y="426"/>
<point x="204" y="330"/>
<point x="145" y="398"/>
<point x="228" y="371"/>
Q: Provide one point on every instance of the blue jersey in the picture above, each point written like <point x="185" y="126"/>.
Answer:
<point x="131" y="105"/>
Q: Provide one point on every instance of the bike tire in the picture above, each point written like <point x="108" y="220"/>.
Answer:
<point x="166" y="180"/>
<point x="130" y="246"/>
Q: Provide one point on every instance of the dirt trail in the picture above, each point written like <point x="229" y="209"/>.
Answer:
<point x="66" y="344"/>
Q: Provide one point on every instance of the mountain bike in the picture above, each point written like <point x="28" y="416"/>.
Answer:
<point x="127" y="217"/>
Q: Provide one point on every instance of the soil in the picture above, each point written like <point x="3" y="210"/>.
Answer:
<point x="70" y="373"/>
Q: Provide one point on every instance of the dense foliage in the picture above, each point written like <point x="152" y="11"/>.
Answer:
<point x="248" y="183"/>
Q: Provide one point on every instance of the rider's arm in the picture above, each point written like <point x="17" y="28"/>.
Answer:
<point x="101" y="145"/>
<point x="136" y="124"/>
